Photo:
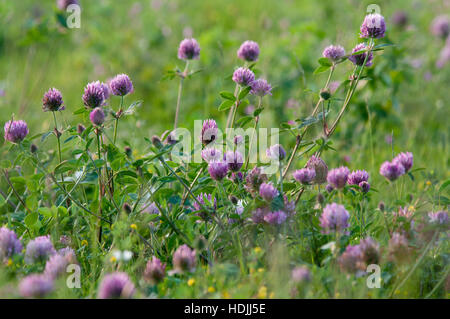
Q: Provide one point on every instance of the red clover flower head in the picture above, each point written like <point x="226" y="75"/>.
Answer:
<point x="15" y="131"/>
<point x="93" y="95"/>
<point x="155" y="270"/>
<point x="334" y="218"/>
<point x="184" y="259"/>
<point x="9" y="244"/>
<point x="260" y="87"/>
<point x="211" y="154"/>
<point x="218" y="170"/>
<point x="97" y="116"/>
<point x="209" y="131"/>
<point x="267" y="191"/>
<point x="358" y="59"/>
<point x="333" y="52"/>
<point x="243" y="76"/>
<point x="304" y="175"/>
<point x="234" y="159"/>
<point x="320" y="167"/>
<point x="338" y="177"/>
<point x="405" y="160"/>
<point x="189" y="49"/>
<point x="116" y="285"/>
<point x="35" y="286"/>
<point x="301" y="274"/>
<point x="373" y="26"/>
<point x="392" y="170"/>
<point x="275" y="218"/>
<point x="52" y="101"/>
<point x="276" y="152"/>
<point x="356" y="177"/>
<point x="39" y="249"/>
<point x="121" y="85"/>
<point x="440" y="26"/>
<point x="248" y="51"/>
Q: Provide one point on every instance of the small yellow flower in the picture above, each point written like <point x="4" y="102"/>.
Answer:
<point x="211" y="289"/>
<point x="133" y="226"/>
<point x="257" y="250"/>
<point x="397" y="292"/>
<point x="262" y="292"/>
<point x="226" y="295"/>
<point x="337" y="295"/>
<point x="113" y="259"/>
<point x="84" y="242"/>
<point x="428" y="183"/>
<point x="191" y="282"/>
<point x="10" y="262"/>
<point x="411" y="208"/>
<point x="260" y="269"/>
<point x="271" y="295"/>
<point x="252" y="270"/>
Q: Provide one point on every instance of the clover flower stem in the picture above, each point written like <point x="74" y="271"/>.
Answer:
<point x="230" y="113"/>
<point x="5" y="173"/>
<point x="100" y="191"/>
<point x="180" y="89"/>
<point x="116" y="124"/>
<point x="59" y="150"/>
<point x="192" y="185"/>
<point x="253" y="134"/>
<point x="236" y="105"/>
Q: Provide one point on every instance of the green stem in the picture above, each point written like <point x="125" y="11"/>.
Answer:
<point x="100" y="191"/>
<point x="180" y="89"/>
<point x="253" y="134"/>
<point x="116" y="124"/>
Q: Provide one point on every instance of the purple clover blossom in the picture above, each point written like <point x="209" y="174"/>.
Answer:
<point x="116" y="285"/>
<point x="205" y="200"/>
<point x="301" y="274"/>
<point x="121" y="85"/>
<point x="351" y="260"/>
<point x="267" y="191"/>
<point x="254" y="179"/>
<point x="398" y="248"/>
<point x="52" y="101"/>
<point x="358" y="59"/>
<point x="258" y="215"/>
<point x="248" y="51"/>
<point x="440" y="217"/>
<point x="373" y="26"/>
<point x="106" y="90"/>
<point x="63" y="4"/>
<point x="211" y="154"/>
<point x="333" y="52"/>
<point x="234" y="160"/>
<point x="338" y="177"/>
<point x="304" y="175"/>
<point x="56" y="266"/>
<point x="320" y="167"/>
<point x="365" y="186"/>
<point x="329" y="188"/>
<point x="9" y="244"/>
<point x="15" y="131"/>
<point x="391" y="170"/>
<point x="370" y="251"/>
<point x="97" y="116"/>
<point x="39" y="249"/>
<point x="69" y="254"/>
<point x="151" y="209"/>
<point x="35" y="286"/>
<point x="356" y="177"/>
<point x="189" y="49"/>
<point x="405" y="160"/>
<point x="440" y="26"/>
<point x="93" y="95"/>
<point x="334" y="218"/>
<point x="275" y="218"/>
<point x="218" y="170"/>
<point x="399" y="19"/>
<point x="243" y="76"/>
<point x="209" y="131"/>
<point x="184" y="259"/>
<point x="260" y="87"/>
<point x="276" y="152"/>
<point x="154" y="271"/>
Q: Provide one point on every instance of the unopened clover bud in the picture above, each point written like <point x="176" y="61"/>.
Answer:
<point x="80" y="128"/>
<point x="127" y="208"/>
<point x="320" y="198"/>
<point x="234" y="199"/>
<point x="128" y="151"/>
<point x="33" y="148"/>
<point x="157" y="141"/>
<point x="325" y="94"/>
<point x="381" y="206"/>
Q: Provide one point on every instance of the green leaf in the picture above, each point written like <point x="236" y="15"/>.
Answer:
<point x="321" y="69"/>
<point x="81" y="110"/>
<point x="244" y="92"/>
<point x="225" y="105"/>
<point x="228" y="96"/>
<point x="325" y="62"/>
<point x="31" y="219"/>
<point x="444" y="185"/>
<point x="258" y="111"/>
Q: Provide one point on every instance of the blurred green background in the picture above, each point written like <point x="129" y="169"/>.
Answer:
<point x="407" y="98"/>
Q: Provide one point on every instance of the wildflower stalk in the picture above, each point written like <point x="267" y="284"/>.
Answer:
<point x="253" y="134"/>
<point x="236" y="105"/>
<point x="192" y="185"/>
<point x="58" y="137"/>
<point x="5" y="173"/>
<point x="180" y="89"/>
<point x="117" y="117"/>
<point x="230" y="113"/>
<point x="100" y="188"/>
